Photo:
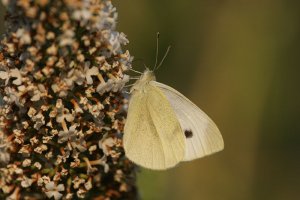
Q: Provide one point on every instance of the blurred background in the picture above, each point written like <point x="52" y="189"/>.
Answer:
<point x="240" y="62"/>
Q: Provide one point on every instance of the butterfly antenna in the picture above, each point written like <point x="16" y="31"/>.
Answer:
<point x="135" y="71"/>
<point x="126" y="86"/>
<point x="145" y="66"/>
<point x="156" y="57"/>
<point x="162" y="60"/>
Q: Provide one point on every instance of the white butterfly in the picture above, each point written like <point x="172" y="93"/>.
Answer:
<point x="163" y="127"/>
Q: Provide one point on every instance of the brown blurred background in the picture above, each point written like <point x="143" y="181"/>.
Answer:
<point x="240" y="62"/>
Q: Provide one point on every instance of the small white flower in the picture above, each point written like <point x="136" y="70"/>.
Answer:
<point x="95" y="110"/>
<point x="68" y="135"/>
<point x="89" y="92"/>
<point x="4" y="75"/>
<point x="79" y="144"/>
<point x="77" y="182"/>
<point x="39" y="120"/>
<point x="73" y="137"/>
<point x="69" y="196"/>
<point x="12" y="96"/>
<point x="64" y="115"/>
<point x="46" y="139"/>
<point x="40" y="149"/>
<point x="25" y="149"/>
<point x="24" y="36"/>
<point x="123" y="187"/>
<point x="118" y="175"/>
<point x="37" y="165"/>
<point x="34" y="140"/>
<point x="92" y="148"/>
<point x="43" y="180"/>
<point x="81" y="193"/>
<point x="82" y="15"/>
<point x="67" y="38"/>
<point x="106" y="144"/>
<point x="76" y="107"/>
<point x="26" y="163"/>
<point x="25" y="124"/>
<point x="53" y="190"/>
<point x="49" y="155"/>
<point x="52" y="50"/>
<point x="26" y="182"/>
<point x="39" y="92"/>
<point x="74" y="75"/>
<point x="88" y="185"/>
<point x="13" y="73"/>
<point x="94" y="71"/>
<point x="31" y="112"/>
<point x="116" y="40"/>
<point x="120" y="83"/>
<point x="105" y="86"/>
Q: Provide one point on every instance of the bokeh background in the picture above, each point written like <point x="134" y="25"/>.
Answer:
<point x="240" y="62"/>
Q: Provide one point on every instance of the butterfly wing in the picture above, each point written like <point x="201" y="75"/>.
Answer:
<point x="202" y="135"/>
<point x="152" y="134"/>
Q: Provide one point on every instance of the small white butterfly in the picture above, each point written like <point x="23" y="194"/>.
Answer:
<point x="163" y="127"/>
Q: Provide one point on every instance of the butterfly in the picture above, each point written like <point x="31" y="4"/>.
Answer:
<point x="163" y="127"/>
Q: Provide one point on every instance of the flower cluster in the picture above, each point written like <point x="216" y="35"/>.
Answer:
<point x="62" y="112"/>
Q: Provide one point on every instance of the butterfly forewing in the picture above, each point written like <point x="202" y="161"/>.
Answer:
<point x="203" y="136"/>
<point x="152" y="134"/>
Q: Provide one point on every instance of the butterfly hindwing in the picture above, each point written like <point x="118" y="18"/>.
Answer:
<point x="202" y="135"/>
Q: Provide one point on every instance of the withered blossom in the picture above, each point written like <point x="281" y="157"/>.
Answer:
<point x="62" y="70"/>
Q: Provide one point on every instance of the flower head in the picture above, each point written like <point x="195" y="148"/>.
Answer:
<point x="62" y="69"/>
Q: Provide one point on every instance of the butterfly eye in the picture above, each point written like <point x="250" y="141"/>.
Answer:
<point x="188" y="133"/>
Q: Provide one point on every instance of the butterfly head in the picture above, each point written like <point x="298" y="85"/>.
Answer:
<point x="145" y="78"/>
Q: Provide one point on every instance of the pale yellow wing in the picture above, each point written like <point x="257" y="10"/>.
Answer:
<point x="203" y="136"/>
<point x="153" y="137"/>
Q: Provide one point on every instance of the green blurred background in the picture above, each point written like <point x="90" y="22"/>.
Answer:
<point x="240" y="62"/>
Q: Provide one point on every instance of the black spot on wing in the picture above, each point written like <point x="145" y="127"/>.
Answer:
<point x="188" y="133"/>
